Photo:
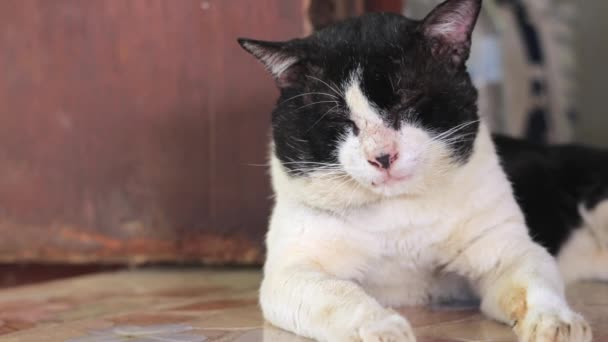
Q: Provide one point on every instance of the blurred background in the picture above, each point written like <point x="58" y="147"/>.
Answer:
<point x="132" y="132"/>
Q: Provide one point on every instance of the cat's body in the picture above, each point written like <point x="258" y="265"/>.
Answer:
<point x="389" y="190"/>
<point x="563" y="191"/>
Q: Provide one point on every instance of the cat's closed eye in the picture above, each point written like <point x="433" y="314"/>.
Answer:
<point x="419" y="104"/>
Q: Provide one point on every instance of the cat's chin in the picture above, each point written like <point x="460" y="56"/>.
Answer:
<point x="392" y="187"/>
<point x="391" y="180"/>
<point x="390" y="191"/>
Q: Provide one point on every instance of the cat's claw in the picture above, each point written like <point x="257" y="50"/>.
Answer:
<point x="391" y="328"/>
<point x="553" y="327"/>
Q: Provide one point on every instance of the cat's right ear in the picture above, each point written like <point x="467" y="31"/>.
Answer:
<point x="276" y="58"/>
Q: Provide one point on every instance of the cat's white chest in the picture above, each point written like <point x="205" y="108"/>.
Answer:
<point x="405" y="229"/>
<point x="406" y="238"/>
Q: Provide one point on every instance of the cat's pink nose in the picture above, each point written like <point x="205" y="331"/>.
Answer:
<point x="384" y="161"/>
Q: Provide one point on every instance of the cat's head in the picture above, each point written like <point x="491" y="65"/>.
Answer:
<point x="382" y="101"/>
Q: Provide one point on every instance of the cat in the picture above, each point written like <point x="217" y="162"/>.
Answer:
<point x="390" y="191"/>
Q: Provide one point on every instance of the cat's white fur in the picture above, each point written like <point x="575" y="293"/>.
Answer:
<point x="585" y="254"/>
<point x="342" y="251"/>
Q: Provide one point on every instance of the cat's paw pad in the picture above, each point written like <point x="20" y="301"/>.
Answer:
<point x="391" y="328"/>
<point x="553" y="327"/>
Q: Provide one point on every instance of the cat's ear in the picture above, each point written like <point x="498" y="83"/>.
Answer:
<point x="449" y="27"/>
<point x="276" y="58"/>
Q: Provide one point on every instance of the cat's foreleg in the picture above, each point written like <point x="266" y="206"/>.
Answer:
<point x="311" y="303"/>
<point x="519" y="284"/>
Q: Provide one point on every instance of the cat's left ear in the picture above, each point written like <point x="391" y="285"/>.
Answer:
<point x="449" y="28"/>
<point x="276" y="58"/>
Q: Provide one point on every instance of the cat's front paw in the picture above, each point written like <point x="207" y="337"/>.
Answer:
<point x="553" y="327"/>
<point x="390" y="328"/>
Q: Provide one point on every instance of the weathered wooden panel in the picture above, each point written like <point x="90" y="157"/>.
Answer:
<point x="322" y="13"/>
<point x="127" y="129"/>
<point x="395" y="6"/>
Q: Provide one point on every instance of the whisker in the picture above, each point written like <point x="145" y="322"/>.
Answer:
<point x="313" y="93"/>
<point x="450" y="132"/>
<point x="322" y="117"/>
<point x="314" y="103"/>
<point x="316" y="163"/>
<point x="335" y="89"/>
<point x="456" y="128"/>
<point x="351" y="197"/>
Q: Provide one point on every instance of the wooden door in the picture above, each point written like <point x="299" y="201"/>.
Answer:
<point x="128" y="129"/>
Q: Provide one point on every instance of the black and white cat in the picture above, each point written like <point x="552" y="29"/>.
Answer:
<point x="390" y="192"/>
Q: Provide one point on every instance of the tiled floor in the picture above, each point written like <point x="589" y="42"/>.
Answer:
<point x="194" y="305"/>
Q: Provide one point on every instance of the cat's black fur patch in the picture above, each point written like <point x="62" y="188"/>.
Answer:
<point x="401" y="74"/>
<point x="551" y="182"/>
